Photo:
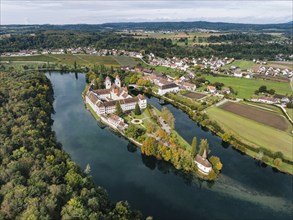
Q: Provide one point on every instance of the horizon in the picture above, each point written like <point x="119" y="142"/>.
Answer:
<point x="115" y="22"/>
<point x="58" y="12"/>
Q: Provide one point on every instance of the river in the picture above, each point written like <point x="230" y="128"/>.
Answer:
<point x="246" y="189"/>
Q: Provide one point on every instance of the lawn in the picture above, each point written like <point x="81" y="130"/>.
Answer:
<point x="253" y="133"/>
<point x="242" y="64"/>
<point x="247" y="87"/>
<point x="168" y="70"/>
<point x="125" y="60"/>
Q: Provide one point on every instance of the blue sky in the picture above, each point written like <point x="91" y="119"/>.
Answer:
<point x="96" y="12"/>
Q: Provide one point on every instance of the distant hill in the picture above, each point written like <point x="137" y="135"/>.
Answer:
<point x="155" y="26"/>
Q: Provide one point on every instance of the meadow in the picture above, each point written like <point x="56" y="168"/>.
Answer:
<point x="125" y="60"/>
<point x="247" y="87"/>
<point x="253" y="133"/>
<point x="242" y="64"/>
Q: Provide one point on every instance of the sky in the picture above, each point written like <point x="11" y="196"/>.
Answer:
<point x="97" y="12"/>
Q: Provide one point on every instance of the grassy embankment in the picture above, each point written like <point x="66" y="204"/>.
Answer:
<point x="247" y="87"/>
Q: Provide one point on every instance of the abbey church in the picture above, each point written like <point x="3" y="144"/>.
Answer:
<point x="103" y="101"/>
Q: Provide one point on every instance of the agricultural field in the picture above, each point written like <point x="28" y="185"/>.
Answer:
<point x="69" y="59"/>
<point x="259" y="115"/>
<point x="84" y="59"/>
<point x="242" y="64"/>
<point x="125" y="60"/>
<point x="194" y="95"/>
<point x="253" y="133"/>
<point x="247" y="87"/>
<point x="40" y="58"/>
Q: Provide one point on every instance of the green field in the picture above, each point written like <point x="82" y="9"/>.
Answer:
<point x="125" y="60"/>
<point x="242" y="64"/>
<point x="69" y="59"/>
<point x="43" y="58"/>
<point x="253" y="133"/>
<point x="247" y="87"/>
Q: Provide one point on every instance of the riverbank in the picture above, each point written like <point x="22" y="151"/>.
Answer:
<point x="286" y="166"/>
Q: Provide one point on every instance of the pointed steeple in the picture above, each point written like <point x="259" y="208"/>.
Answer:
<point x="204" y="155"/>
<point x="108" y="82"/>
<point x="117" y="81"/>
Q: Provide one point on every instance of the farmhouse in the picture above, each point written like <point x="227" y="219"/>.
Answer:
<point x="238" y="73"/>
<point x="265" y="99"/>
<point x="212" y="89"/>
<point x="204" y="166"/>
<point x="226" y="90"/>
<point x="188" y="86"/>
<point x="103" y="101"/>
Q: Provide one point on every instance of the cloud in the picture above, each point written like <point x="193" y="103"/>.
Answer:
<point x="94" y="12"/>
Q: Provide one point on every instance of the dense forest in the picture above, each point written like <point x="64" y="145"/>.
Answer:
<point x="242" y="46"/>
<point x="240" y="38"/>
<point x="38" y="180"/>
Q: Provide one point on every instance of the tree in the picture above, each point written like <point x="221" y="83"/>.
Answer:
<point x="149" y="146"/>
<point x="271" y="91"/>
<point x="203" y="145"/>
<point x="278" y="161"/>
<point x="137" y="110"/>
<point x="262" y="89"/>
<point x="149" y="128"/>
<point x="119" y="110"/>
<point x="168" y="117"/>
<point x="193" y="146"/>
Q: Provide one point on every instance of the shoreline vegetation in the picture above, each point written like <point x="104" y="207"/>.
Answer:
<point x="154" y="141"/>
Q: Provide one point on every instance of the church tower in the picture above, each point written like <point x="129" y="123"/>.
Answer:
<point x="117" y="81"/>
<point x="108" y="82"/>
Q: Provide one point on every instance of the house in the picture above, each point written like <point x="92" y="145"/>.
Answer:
<point x="237" y="73"/>
<point x="115" y="121"/>
<point x="265" y="99"/>
<point x="188" y="86"/>
<point x="226" y="90"/>
<point x="170" y="87"/>
<point x="204" y="166"/>
<point x="212" y="89"/>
